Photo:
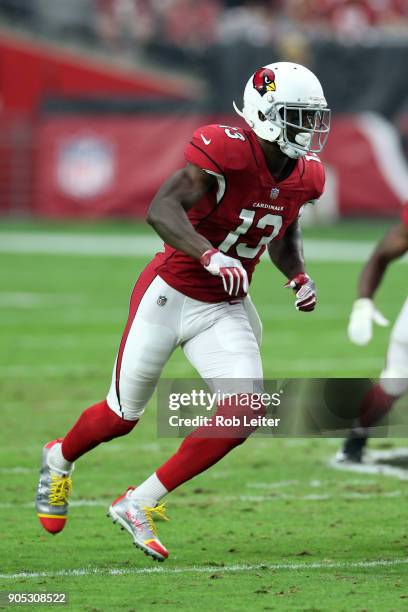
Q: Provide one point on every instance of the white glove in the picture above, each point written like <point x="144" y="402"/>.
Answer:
<point x="232" y="272"/>
<point x="363" y="315"/>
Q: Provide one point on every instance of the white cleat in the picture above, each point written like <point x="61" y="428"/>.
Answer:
<point x="137" y="519"/>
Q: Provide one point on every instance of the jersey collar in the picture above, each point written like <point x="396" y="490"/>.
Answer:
<point x="265" y="175"/>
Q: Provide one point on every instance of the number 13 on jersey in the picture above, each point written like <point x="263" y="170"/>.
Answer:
<point x="247" y="216"/>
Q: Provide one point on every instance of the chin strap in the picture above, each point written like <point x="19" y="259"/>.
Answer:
<point x="290" y="150"/>
<point x="303" y="139"/>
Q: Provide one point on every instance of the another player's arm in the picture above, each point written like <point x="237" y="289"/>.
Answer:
<point x="392" y="246"/>
<point x="364" y="313"/>
<point x="167" y="213"/>
<point x="287" y="253"/>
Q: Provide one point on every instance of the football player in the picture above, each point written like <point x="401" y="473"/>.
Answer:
<point x="240" y="192"/>
<point x="394" y="378"/>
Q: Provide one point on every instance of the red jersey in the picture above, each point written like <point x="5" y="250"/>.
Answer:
<point x="247" y="209"/>
<point x="405" y="214"/>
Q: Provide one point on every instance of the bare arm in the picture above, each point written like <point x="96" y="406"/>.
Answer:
<point x="287" y="253"/>
<point x="167" y="212"/>
<point x="393" y="245"/>
<point x="364" y="313"/>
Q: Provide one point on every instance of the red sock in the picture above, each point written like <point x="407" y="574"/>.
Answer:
<point x="95" y="425"/>
<point x="205" y="446"/>
<point x="375" y="405"/>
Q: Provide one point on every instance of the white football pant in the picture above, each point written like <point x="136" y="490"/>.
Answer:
<point x="220" y="340"/>
<point x="394" y="377"/>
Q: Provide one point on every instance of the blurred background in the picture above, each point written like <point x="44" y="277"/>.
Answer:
<point x="99" y="97"/>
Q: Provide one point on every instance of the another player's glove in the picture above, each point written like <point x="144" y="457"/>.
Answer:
<point x="305" y="290"/>
<point x="232" y="272"/>
<point x="363" y="315"/>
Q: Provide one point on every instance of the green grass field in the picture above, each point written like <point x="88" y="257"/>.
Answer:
<point x="271" y="527"/>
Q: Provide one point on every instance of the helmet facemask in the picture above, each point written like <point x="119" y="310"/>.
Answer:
<point x="304" y="129"/>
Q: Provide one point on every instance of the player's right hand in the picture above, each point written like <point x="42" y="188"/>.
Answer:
<point x="232" y="272"/>
<point x="363" y="315"/>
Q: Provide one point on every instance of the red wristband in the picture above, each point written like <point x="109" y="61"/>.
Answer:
<point x="300" y="279"/>
<point x="206" y="257"/>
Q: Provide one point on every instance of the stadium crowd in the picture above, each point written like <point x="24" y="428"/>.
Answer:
<point x="129" y="26"/>
<point x="197" y="25"/>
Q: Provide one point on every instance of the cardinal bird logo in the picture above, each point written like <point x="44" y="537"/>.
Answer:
<point x="264" y="80"/>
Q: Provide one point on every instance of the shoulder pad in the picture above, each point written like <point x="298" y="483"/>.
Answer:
<point x="218" y="148"/>
<point x="314" y="175"/>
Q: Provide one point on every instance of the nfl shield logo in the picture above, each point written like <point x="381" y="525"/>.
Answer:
<point x="85" y="166"/>
<point x="274" y="192"/>
<point x="161" y="300"/>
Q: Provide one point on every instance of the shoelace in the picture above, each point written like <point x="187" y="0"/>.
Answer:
<point x="160" y="511"/>
<point x="60" y="489"/>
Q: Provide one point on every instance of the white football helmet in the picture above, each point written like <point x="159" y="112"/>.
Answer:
<point x="284" y="103"/>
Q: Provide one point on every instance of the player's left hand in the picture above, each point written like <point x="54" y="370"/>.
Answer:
<point x="305" y="291"/>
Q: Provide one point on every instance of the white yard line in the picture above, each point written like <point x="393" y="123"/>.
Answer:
<point x="144" y="245"/>
<point x="21" y="299"/>
<point x="79" y="244"/>
<point x="385" y="455"/>
<point x="317" y="365"/>
<point x="17" y="470"/>
<point x="34" y="371"/>
<point x="328" y="366"/>
<point x="95" y="571"/>
<point x="272" y="485"/>
<point x="223" y="499"/>
<point x="313" y="497"/>
<point x="371" y="467"/>
<point x="57" y="340"/>
<point x="312" y="483"/>
<point x="57" y="315"/>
